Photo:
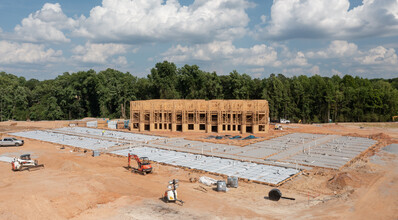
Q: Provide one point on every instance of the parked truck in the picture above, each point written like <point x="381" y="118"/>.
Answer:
<point x="284" y="121"/>
<point x="10" y="141"/>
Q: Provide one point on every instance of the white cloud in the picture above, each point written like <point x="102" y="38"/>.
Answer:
<point x="225" y="51"/>
<point x="315" y="70"/>
<point x="349" y="54"/>
<point x="336" y="48"/>
<point x="45" y="25"/>
<point x="121" y="60"/>
<point x="257" y="70"/>
<point x="98" y="53"/>
<point x="379" y="55"/>
<point x="297" y="59"/>
<point x="137" y="21"/>
<point x="258" y="55"/>
<point x="27" y="53"/>
<point x="348" y="58"/>
<point x="135" y="50"/>
<point x="289" y="72"/>
<point x="336" y="72"/>
<point x="263" y="19"/>
<point x="325" y="19"/>
<point x="289" y="57"/>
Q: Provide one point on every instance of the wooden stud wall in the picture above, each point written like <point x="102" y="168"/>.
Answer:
<point x="232" y="116"/>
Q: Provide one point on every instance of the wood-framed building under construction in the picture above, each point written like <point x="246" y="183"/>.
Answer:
<point x="232" y="116"/>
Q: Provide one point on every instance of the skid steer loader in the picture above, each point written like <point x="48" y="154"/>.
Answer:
<point x="24" y="162"/>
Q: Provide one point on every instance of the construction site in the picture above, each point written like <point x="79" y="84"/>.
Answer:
<point x="119" y="169"/>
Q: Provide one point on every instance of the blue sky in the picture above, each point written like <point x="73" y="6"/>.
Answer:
<point x="42" y="39"/>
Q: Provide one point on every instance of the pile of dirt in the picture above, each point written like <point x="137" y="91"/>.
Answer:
<point x="70" y="166"/>
<point x="380" y="136"/>
<point x="362" y="166"/>
<point x="342" y="181"/>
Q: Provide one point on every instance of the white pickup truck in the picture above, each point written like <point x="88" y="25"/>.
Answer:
<point x="284" y="121"/>
<point x="10" y="141"/>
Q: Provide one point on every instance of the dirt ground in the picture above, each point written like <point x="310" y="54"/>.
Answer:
<point x="74" y="185"/>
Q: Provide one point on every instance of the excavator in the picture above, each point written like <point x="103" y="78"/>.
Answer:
<point x="24" y="162"/>
<point x="144" y="166"/>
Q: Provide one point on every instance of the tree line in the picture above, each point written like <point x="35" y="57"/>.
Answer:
<point x="90" y="94"/>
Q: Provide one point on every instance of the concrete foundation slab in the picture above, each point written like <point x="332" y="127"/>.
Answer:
<point x="262" y="161"/>
<point x="116" y="135"/>
<point x="195" y="146"/>
<point x="392" y="148"/>
<point x="251" y="171"/>
<point x="6" y="159"/>
<point x="70" y="140"/>
<point x="334" y="153"/>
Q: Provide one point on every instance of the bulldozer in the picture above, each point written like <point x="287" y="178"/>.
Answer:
<point x="24" y="162"/>
<point x="144" y="166"/>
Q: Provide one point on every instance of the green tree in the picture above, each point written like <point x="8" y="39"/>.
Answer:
<point x="163" y="79"/>
<point x="274" y="91"/>
<point x="13" y="97"/>
<point x="114" y="89"/>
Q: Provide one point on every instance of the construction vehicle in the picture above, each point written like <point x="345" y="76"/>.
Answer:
<point x="24" y="162"/>
<point x="144" y="166"/>
<point x="171" y="194"/>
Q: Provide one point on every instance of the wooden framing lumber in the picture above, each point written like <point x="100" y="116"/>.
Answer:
<point x="220" y="116"/>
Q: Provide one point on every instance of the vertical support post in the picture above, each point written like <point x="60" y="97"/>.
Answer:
<point x="243" y="127"/>
<point x="173" y="118"/>
<point x="151" y="117"/>
<point x="208" y="118"/>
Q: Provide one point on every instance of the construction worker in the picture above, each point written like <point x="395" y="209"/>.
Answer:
<point x="103" y="132"/>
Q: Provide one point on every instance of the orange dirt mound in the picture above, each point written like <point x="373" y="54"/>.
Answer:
<point x="342" y="180"/>
<point x="70" y="166"/>
<point x="380" y="136"/>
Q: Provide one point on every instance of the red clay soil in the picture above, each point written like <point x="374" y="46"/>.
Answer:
<point x="343" y="180"/>
<point x="74" y="185"/>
